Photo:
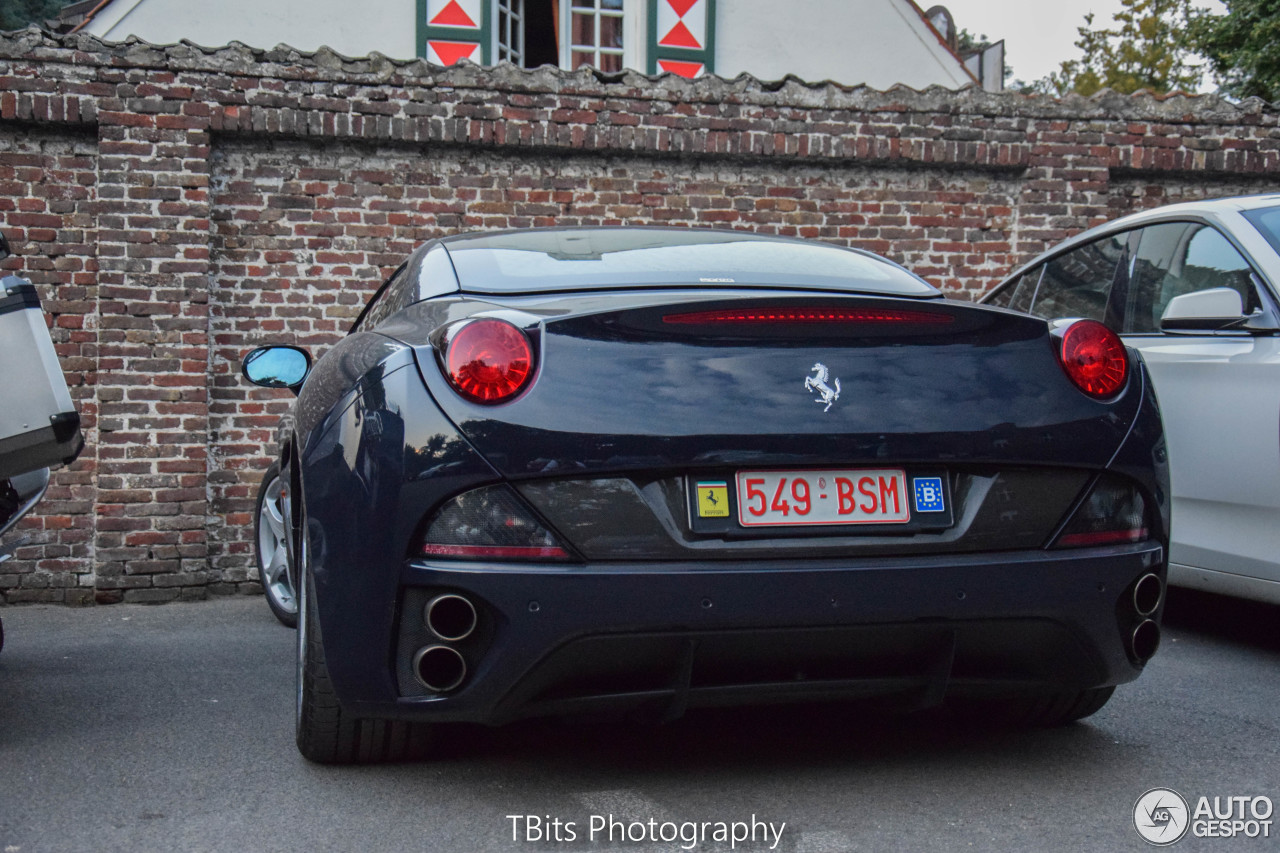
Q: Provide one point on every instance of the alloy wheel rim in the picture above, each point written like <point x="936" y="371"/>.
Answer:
<point x="273" y="548"/>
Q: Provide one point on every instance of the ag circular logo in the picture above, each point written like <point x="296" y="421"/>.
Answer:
<point x="1161" y="817"/>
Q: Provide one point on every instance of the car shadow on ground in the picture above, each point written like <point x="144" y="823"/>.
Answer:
<point x="773" y="738"/>
<point x="1237" y="620"/>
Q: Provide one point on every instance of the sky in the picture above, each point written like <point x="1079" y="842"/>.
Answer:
<point x="1038" y="34"/>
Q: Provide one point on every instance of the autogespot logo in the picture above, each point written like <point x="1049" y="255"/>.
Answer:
<point x="1161" y="817"/>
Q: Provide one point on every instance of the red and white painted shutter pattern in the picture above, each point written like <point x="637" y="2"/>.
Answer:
<point x="458" y="15"/>
<point x="683" y="26"/>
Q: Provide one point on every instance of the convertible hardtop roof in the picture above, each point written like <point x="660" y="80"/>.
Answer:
<point x="566" y="259"/>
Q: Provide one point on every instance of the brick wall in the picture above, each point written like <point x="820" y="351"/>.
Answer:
<point x="177" y="206"/>
<point x="48" y="179"/>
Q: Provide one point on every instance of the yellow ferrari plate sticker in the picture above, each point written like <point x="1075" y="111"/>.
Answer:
<point x="713" y="500"/>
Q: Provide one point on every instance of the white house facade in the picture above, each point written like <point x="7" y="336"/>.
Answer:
<point x="874" y="42"/>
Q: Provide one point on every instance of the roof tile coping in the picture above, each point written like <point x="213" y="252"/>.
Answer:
<point x="35" y="45"/>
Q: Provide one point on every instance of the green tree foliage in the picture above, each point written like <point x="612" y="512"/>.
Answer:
<point x="967" y="42"/>
<point x="1242" y="46"/>
<point x="16" y="14"/>
<point x="1144" y="50"/>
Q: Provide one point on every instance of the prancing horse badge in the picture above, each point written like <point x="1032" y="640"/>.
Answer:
<point x="818" y="382"/>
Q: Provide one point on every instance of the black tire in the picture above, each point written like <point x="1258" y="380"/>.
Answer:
<point x="325" y="733"/>
<point x="1039" y="711"/>
<point x="272" y="547"/>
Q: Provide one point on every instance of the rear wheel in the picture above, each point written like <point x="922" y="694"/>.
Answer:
<point x="325" y="733"/>
<point x="272" y="546"/>
<point x="1041" y="711"/>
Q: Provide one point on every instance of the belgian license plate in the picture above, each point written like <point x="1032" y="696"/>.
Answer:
<point x="850" y="496"/>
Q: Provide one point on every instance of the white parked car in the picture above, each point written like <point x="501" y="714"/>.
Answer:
<point x="1195" y="287"/>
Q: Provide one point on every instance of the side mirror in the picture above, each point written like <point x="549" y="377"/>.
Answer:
<point x="1203" y="311"/>
<point x="276" y="366"/>
<point x="5" y="251"/>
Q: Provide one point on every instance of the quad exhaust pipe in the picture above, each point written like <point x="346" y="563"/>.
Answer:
<point x="439" y="668"/>
<point x="1144" y="640"/>
<point x="1146" y="594"/>
<point x="450" y="617"/>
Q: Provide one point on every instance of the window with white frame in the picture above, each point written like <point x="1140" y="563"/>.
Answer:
<point x="510" y="31"/>
<point x="606" y="34"/>
<point x="595" y="29"/>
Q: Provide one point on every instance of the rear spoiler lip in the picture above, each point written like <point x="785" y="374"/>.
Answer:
<point x="727" y="287"/>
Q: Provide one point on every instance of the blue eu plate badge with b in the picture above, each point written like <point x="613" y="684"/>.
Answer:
<point x="929" y="495"/>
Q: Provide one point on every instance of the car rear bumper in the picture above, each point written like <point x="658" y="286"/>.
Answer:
<point x="662" y="638"/>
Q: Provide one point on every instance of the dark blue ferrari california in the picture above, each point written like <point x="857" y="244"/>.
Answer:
<point x="646" y="470"/>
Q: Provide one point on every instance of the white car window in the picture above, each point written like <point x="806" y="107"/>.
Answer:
<point x="1267" y="221"/>
<point x="1018" y="293"/>
<point x="1078" y="284"/>
<point x="1174" y="258"/>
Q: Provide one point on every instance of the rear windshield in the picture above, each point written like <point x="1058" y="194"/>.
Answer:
<point x="588" y="259"/>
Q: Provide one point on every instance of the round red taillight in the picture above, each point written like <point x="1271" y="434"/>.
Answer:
<point x="488" y="361"/>
<point x="1094" y="358"/>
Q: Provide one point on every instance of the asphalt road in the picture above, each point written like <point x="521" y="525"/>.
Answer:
<point x="169" y="728"/>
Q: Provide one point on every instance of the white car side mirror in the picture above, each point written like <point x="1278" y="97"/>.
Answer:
<point x="1203" y="310"/>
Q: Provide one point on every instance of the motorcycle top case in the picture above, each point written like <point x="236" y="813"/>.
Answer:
<point x="39" y="425"/>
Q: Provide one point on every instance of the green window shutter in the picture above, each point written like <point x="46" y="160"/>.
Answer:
<point x="682" y="37"/>
<point x="452" y="30"/>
